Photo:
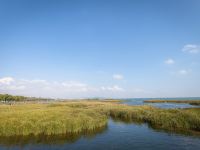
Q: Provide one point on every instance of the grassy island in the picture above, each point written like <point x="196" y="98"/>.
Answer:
<point x="191" y="102"/>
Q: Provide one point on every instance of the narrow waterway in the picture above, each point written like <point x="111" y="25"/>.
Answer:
<point x="116" y="136"/>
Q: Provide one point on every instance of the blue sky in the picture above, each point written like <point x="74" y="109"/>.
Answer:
<point x="116" y="48"/>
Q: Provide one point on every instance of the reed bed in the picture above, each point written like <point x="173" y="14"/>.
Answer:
<point x="167" y="119"/>
<point x="191" y="102"/>
<point x="56" y="118"/>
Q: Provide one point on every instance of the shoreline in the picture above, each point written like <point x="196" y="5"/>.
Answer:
<point x="191" y="102"/>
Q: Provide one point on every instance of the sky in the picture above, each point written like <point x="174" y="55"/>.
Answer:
<point x="100" y="48"/>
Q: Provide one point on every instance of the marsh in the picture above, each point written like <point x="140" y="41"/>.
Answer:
<point x="73" y="123"/>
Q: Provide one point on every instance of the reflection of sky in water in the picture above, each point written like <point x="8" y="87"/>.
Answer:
<point x="160" y="105"/>
<point x="120" y="136"/>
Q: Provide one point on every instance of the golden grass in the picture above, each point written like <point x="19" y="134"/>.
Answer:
<point x="49" y="139"/>
<point x="168" y="119"/>
<point x="54" y="118"/>
<point x="78" y="116"/>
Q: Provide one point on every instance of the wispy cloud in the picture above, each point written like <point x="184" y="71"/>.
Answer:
<point x="118" y="77"/>
<point x="43" y="88"/>
<point x="191" y="48"/>
<point x="169" y="61"/>
<point x="183" y="72"/>
<point x="55" y="89"/>
<point x="75" y="86"/>
<point x="6" y="80"/>
<point x="114" y="88"/>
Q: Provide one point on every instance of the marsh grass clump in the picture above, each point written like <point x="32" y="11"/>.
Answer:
<point x="168" y="119"/>
<point x="197" y="103"/>
<point x="35" y="119"/>
<point x="57" y="139"/>
<point x="191" y="102"/>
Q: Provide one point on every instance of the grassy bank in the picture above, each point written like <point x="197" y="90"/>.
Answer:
<point x="78" y="116"/>
<point x="167" y="119"/>
<point x="58" y="139"/>
<point x="54" y="118"/>
<point x="191" y="102"/>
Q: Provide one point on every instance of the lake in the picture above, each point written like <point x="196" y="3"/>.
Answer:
<point x="139" y="101"/>
<point x="116" y="135"/>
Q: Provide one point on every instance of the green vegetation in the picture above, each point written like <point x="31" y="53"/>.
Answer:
<point x="53" y="118"/>
<point x="73" y="117"/>
<point x="49" y="139"/>
<point x="191" y="102"/>
<point x="8" y="98"/>
<point x="167" y="119"/>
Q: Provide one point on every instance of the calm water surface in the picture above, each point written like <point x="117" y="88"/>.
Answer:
<point x="140" y="101"/>
<point x="117" y="136"/>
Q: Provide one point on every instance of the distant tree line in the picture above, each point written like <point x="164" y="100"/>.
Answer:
<point x="11" y="98"/>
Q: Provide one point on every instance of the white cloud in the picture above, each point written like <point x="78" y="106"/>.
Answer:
<point x="169" y="61"/>
<point x="71" y="84"/>
<point x="14" y="87"/>
<point x="138" y="90"/>
<point x="118" y="77"/>
<point x="76" y="89"/>
<point x="114" y="88"/>
<point x="191" y="48"/>
<point x="43" y="88"/>
<point x="54" y="89"/>
<point x="183" y="72"/>
<point x="75" y="86"/>
<point x="6" y="80"/>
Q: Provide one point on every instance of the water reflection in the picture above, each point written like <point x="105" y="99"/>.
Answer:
<point x="118" y="134"/>
<point x="70" y="138"/>
<point x="50" y="139"/>
<point x="159" y="105"/>
<point x="156" y="128"/>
